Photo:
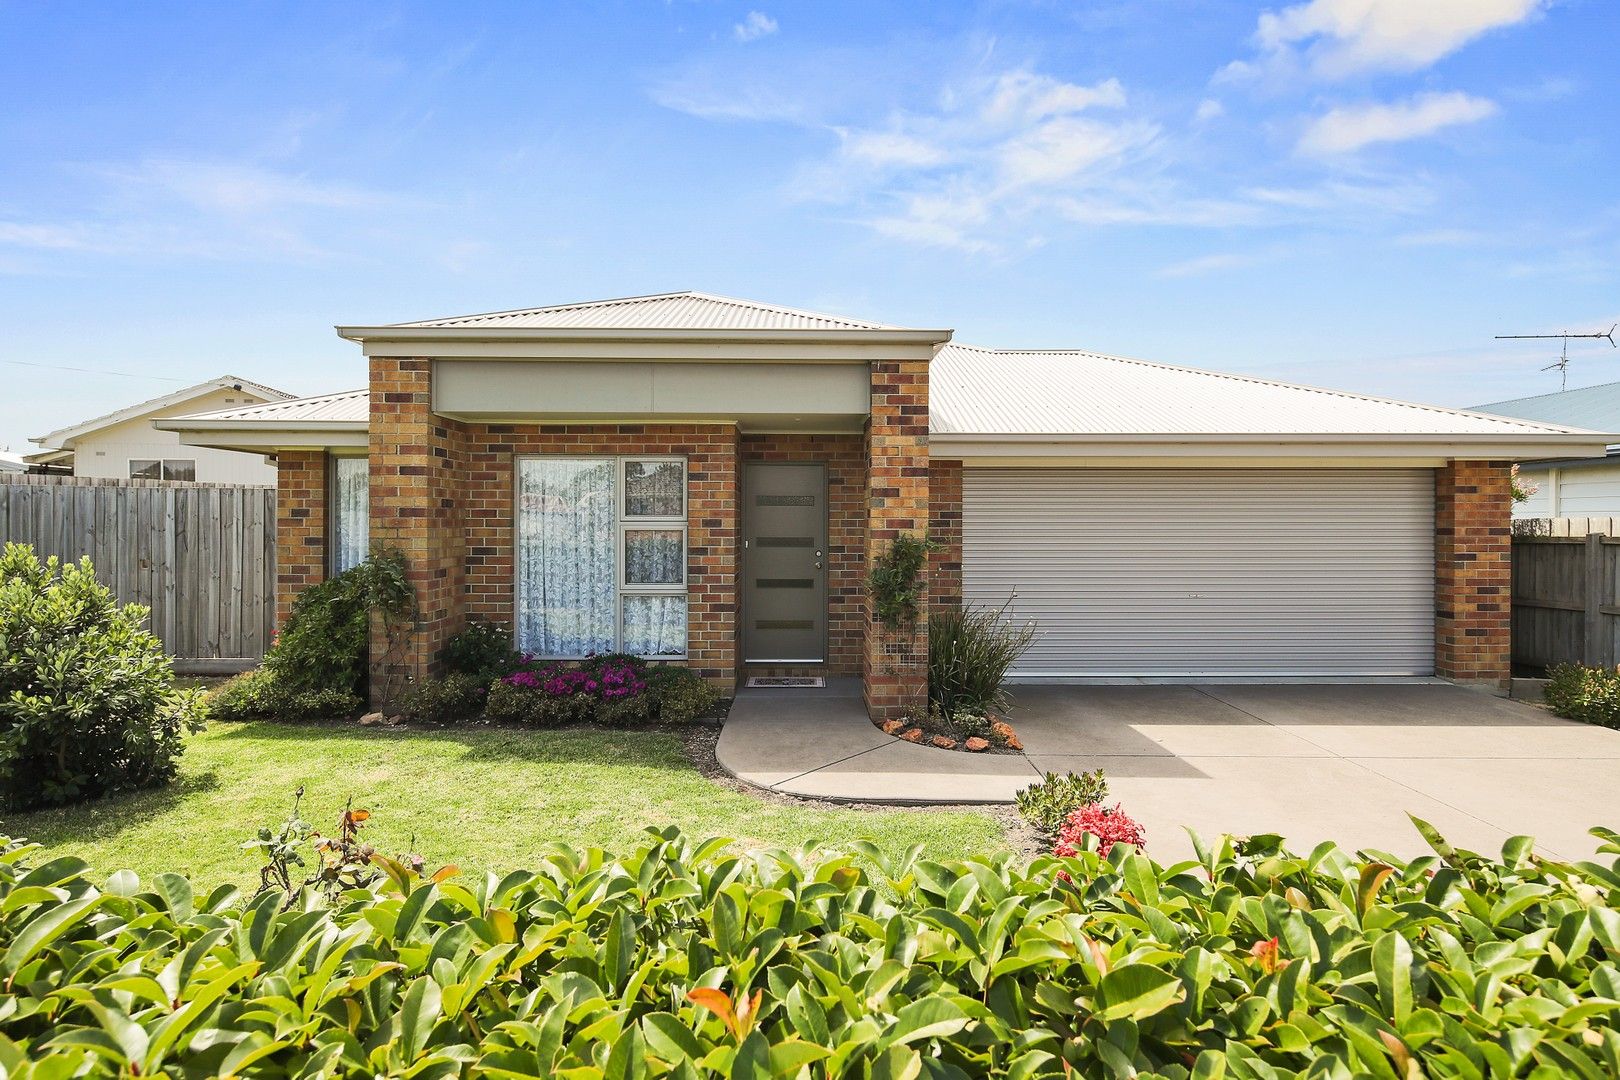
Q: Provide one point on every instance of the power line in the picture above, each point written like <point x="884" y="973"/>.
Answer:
<point x="92" y="371"/>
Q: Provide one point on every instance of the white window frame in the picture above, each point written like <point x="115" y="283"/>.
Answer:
<point x="623" y="523"/>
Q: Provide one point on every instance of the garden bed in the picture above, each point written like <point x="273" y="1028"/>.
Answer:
<point x="987" y="734"/>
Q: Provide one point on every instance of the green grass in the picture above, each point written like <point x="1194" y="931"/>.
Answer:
<point x="485" y="799"/>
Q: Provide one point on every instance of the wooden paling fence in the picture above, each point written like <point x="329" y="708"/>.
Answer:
<point x="201" y="556"/>
<point x="1565" y="599"/>
<point x="1566" y="526"/>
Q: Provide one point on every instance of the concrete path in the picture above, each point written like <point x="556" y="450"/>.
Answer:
<point x="1344" y="762"/>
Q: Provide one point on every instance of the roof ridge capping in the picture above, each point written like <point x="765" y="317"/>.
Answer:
<point x="1305" y="387"/>
<point x="512" y="316"/>
<point x="270" y="406"/>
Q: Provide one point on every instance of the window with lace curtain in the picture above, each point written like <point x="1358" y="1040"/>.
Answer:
<point x="601" y="556"/>
<point x="351" y="511"/>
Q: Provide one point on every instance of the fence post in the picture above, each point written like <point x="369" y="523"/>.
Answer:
<point x="1599" y="648"/>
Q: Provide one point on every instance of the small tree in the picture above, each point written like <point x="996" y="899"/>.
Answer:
<point x="88" y="704"/>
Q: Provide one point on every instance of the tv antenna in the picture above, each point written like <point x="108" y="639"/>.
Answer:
<point x="1561" y="365"/>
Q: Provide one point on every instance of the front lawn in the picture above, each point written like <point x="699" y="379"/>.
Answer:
<point x="485" y="799"/>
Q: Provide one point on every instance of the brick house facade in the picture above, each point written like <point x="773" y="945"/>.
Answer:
<point x="908" y="442"/>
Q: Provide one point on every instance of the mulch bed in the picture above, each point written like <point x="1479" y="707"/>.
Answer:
<point x="934" y="732"/>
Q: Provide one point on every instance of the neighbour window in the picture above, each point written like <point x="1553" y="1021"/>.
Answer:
<point x="168" y="469"/>
<point x="601" y="556"/>
<point x="351" y="511"/>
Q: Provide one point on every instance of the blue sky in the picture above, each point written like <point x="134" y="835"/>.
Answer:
<point x="1353" y="193"/>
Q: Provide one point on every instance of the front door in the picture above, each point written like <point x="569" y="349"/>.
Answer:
<point x="784" y="563"/>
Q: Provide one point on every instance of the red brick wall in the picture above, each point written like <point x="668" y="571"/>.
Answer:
<point x="945" y="529"/>
<point x="711" y="452"/>
<point x="300" y="525"/>
<point x="418" y="468"/>
<point x="1473" y="553"/>
<point x="895" y="665"/>
<point x="845" y="457"/>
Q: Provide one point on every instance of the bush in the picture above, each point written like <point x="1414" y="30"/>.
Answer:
<point x="970" y="651"/>
<point x="683" y="960"/>
<point x="482" y="649"/>
<point x="457" y="696"/>
<point x="1108" y="826"/>
<point x="325" y="645"/>
<point x="679" y="695"/>
<point x="896" y="580"/>
<point x="515" y="703"/>
<point x="259" y="695"/>
<point x="88" y="704"/>
<point x="1591" y="694"/>
<point x="1048" y="804"/>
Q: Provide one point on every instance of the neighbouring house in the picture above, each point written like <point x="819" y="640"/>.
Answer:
<point x="12" y="463"/>
<point x="127" y="445"/>
<point x="706" y="480"/>
<point x="1582" y="487"/>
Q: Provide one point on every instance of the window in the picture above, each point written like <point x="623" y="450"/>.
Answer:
<point x="351" y="511"/>
<point x="601" y="556"/>
<point x="168" y="469"/>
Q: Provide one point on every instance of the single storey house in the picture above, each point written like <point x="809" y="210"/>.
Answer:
<point x="1581" y="487"/>
<point x="126" y="444"/>
<point x="706" y="480"/>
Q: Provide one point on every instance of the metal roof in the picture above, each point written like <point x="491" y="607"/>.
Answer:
<point x="1596" y="407"/>
<point x="55" y="439"/>
<point x="347" y="407"/>
<point x="980" y="391"/>
<point x="661" y="311"/>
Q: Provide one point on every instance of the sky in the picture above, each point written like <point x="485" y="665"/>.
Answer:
<point x="1347" y="193"/>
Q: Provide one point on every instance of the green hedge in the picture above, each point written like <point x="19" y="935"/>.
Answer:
<point x="1590" y="694"/>
<point x="688" y="960"/>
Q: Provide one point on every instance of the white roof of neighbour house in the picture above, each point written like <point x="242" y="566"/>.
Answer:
<point x="60" y="438"/>
<point x="1596" y="407"/>
<point x="12" y="463"/>
<point x="660" y="311"/>
<point x="981" y="391"/>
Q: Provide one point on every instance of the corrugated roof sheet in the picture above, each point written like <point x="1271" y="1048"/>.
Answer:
<point x="664" y="311"/>
<point x="350" y="406"/>
<point x="1596" y="407"/>
<point x="54" y="439"/>
<point x="979" y="391"/>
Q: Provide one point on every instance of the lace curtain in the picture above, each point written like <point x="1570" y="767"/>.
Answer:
<point x="654" y="625"/>
<point x="566" y="525"/>
<point x="352" y="527"/>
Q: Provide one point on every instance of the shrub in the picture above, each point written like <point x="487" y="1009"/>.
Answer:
<point x="1048" y="804"/>
<point x="88" y="704"/>
<point x="970" y="650"/>
<point x="259" y="695"/>
<point x="896" y="580"/>
<point x="456" y="696"/>
<point x="683" y="960"/>
<point x="482" y="649"/>
<point x="1109" y="826"/>
<point x="1591" y="694"/>
<point x="516" y="703"/>
<point x="679" y="695"/>
<point x="325" y="645"/>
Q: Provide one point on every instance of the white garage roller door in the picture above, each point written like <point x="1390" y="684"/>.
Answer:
<point x="1207" y="572"/>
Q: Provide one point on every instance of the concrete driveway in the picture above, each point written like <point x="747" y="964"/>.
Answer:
<point x="1343" y="762"/>
<point x="1331" y="762"/>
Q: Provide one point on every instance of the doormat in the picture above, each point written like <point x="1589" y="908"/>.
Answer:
<point x="777" y="681"/>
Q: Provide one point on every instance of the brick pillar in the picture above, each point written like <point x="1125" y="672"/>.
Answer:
<point x="895" y="665"/>
<point x="711" y="560"/>
<point x="418" y="471"/>
<point x="1473" y="553"/>
<point x="300" y="525"/>
<point x="945" y="529"/>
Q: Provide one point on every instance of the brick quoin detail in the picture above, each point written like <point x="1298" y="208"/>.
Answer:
<point x="895" y="666"/>
<point x="300" y="525"/>
<point x="488" y="520"/>
<point x="945" y="529"/>
<point x="1473" y="577"/>
<point x="845" y="458"/>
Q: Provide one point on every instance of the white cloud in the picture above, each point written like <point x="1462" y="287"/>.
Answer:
<point x="1209" y="109"/>
<point x="891" y="148"/>
<point x="1335" y="38"/>
<point x="756" y="25"/>
<point x="1347" y="129"/>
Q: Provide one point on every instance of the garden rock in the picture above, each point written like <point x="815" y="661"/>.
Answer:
<point x="977" y="745"/>
<point x="912" y="735"/>
<point x="1009" y="738"/>
<point x="944" y="742"/>
<point x="371" y="719"/>
<point x="893" y="727"/>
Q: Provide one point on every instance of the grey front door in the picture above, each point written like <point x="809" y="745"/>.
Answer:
<point x="784" y="521"/>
